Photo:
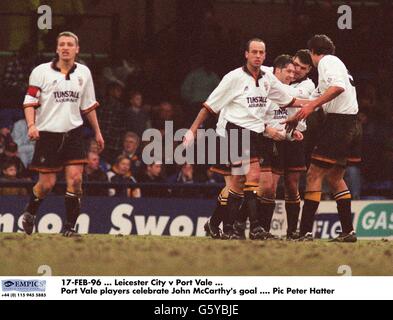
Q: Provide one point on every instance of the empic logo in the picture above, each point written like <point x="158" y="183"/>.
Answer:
<point x="24" y="285"/>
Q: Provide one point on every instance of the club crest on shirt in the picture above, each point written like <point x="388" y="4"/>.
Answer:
<point x="266" y="85"/>
<point x="245" y="89"/>
<point x="80" y="80"/>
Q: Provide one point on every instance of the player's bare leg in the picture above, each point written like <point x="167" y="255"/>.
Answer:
<point x="342" y="195"/>
<point x="292" y="203"/>
<point x="45" y="184"/>
<point x="73" y="175"/>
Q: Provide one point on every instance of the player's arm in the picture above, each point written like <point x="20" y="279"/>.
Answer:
<point x="32" y="102"/>
<point x="219" y="98"/>
<point x="308" y="108"/>
<point x="201" y="118"/>
<point x="280" y="94"/>
<point x="92" y="118"/>
<point x="32" y="131"/>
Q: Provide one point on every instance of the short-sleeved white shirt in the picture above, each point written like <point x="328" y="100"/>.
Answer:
<point x="245" y="98"/>
<point x="333" y="73"/>
<point x="276" y="115"/>
<point x="59" y="99"/>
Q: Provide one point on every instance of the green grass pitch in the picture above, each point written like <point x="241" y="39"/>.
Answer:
<point x="109" y="255"/>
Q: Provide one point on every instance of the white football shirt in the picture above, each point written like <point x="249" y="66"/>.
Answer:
<point x="333" y="73"/>
<point x="59" y="99"/>
<point x="245" y="98"/>
<point x="275" y="114"/>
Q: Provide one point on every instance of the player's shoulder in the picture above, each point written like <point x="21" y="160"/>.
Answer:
<point x="307" y="83"/>
<point x="267" y="69"/>
<point x="82" y="68"/>
<point x="330" y="60"/>
<point x="43" y="67"/>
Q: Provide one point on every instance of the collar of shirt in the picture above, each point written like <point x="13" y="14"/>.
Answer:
<point x="56" y="68"/>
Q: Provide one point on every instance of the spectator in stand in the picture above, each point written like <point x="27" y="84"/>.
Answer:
<point x="166" y="112"/>
<point x="11" y="155"/>
<point x="111" y="119"/>
<point x="184" y="176"/>
<point x="93" y="173"/>
<point x="15" y="81"/>
<point x="131" y="144"/>
<point x="5" y="129"/>
<point x="153" y="175"/>
<point x="9" y="174"/>
<point x="25" y="145"/>
<point x="121" y="174"/>
<point x="197" y="87"/>
<point x="92" y="146"/>
<point x="136" y="119"/>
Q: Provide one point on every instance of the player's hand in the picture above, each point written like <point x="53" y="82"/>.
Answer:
<point x="188" y="138"/>
<point x="33" y="133"/>
<point x="297" y="135"/>
<point x="100" y="142"/>
<point x="275" y="134"/>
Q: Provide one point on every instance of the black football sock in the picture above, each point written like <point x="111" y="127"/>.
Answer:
<point x="218" y="213"/>
<point x="73" y="207"/>
<point x="343" y="200"/>
<point x="268" y="205"/>
<point x="251" y="204"/>
<point x="310" y="207"/>
<point x="34" y="202"/>
<point x="292" y="208"/>
<point x="234" y="202"/>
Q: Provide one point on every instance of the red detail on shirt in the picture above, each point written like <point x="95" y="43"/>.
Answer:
<point x="33" y="91"/>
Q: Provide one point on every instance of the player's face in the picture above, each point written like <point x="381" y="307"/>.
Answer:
<point x="286" y="75"/>
<point x="67" y="49"/>
<point x="256" y="54"/>
<point x="301" y="69"/>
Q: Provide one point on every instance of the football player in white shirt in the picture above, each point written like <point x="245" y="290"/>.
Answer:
<point x="339" y="141"/>
<point x="243" y="92"/>
<point x="59" y="92"/>
<point x="288" y="159"/>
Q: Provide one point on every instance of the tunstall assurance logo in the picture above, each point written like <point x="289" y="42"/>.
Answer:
<point x="376" y="220"/>
<point x="23" y="285"/>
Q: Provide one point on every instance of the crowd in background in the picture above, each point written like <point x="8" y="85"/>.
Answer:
<point x="138" y="94"/>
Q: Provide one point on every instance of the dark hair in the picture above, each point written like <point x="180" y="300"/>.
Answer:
<point x="304" y="55"/>
<point x="282" y="61"/>
<point x="134" y="92"/>
<point x="252" y="40"/>
<point x="11" y="147"/>
<point x="8" y="164"/>
<point x="321" y="44"/>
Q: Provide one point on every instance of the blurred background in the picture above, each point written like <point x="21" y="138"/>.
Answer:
<point x="157" y="60"/>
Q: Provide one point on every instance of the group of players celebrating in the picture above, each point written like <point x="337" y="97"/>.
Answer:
<point x="272" y="106"/>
